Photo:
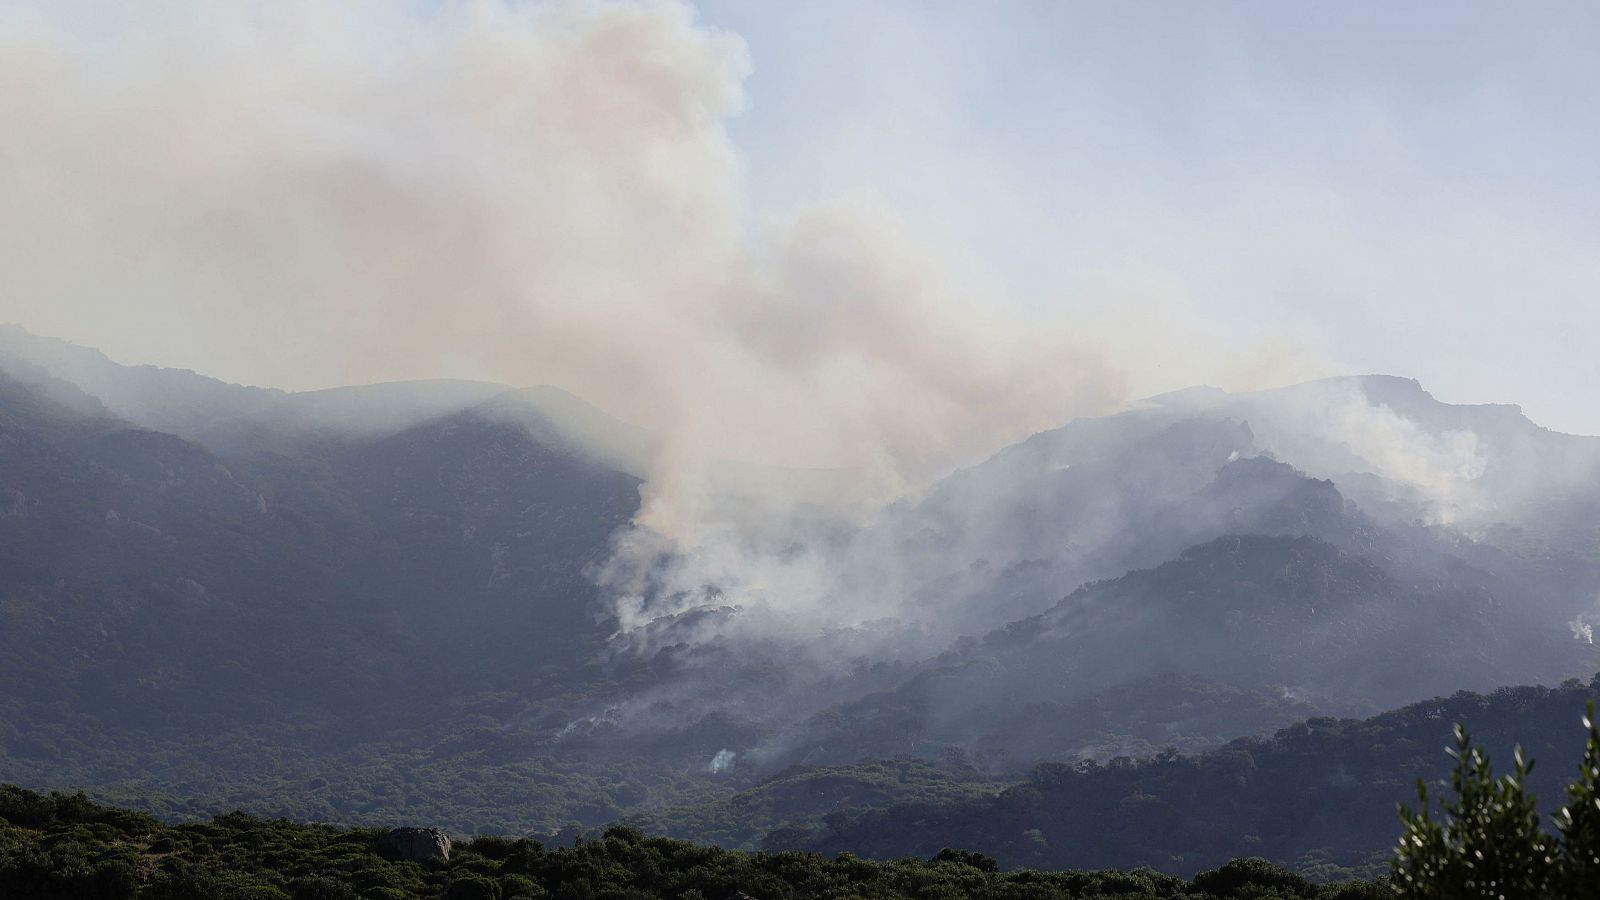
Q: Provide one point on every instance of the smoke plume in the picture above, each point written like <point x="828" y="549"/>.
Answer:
<point x="302" y="194"/>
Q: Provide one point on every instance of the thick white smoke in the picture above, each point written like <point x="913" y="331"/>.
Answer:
<point x="302" y="193"/>
<point x="1334" y="428"/>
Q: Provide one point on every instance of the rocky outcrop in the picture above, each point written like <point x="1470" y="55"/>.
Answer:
<point x="416" y="844"/>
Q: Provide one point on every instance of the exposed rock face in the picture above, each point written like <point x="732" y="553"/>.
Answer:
<point x="417" y="844"/>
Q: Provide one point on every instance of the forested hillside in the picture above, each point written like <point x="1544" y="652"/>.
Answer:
<point x="62" y="847"/>
<point x="380" y="604"/>
<point x="1319" y="796"/>
<point x="366" y="611"/>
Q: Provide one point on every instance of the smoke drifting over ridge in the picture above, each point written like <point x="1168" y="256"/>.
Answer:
<point x="301" y="194"/>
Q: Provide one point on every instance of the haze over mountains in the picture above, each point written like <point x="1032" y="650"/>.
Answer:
<point x="227" y="591"/>
<point x="1013" y="435"/>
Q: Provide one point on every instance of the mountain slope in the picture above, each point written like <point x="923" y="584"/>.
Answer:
<point x="154" y="588"/>
<point x="358" y="601"/>
<point x="1320" y="794"/>
<point x="1302" y="604"/>
<point x="241" y="421"/>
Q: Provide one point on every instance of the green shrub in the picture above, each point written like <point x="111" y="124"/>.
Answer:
<point x="1487" y="842"/>
<point x="512" y="886"/>
<point x="473" y="886"/>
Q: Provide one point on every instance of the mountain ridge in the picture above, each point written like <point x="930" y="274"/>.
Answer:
<point x="412" y="604"/>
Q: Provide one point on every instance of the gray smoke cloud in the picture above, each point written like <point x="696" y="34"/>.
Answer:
<point x="301" y="194"/>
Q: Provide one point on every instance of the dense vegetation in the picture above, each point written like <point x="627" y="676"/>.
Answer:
<point x="1319" y="796"/>
<point x="804" y="795"/>
<point x="1487" y="841"/>
<point x="462" y="793"/>
<point x="63" y="846"/>
<point x="1158" y="810"/>
<point x="306" y="631"/>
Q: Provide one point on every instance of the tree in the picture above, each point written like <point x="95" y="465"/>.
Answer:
<point x="1579" y="823"/>
<point x="321" y="887"/>
<point x="473" y="886"/>
<point x="1240" y="875"/>
<point x="1488" y="843"/>
<point x="971" y="858"/>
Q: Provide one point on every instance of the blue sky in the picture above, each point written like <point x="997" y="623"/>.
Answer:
<point x="1407" y="188"/>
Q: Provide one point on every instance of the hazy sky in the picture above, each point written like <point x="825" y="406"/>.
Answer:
<point x="1407" y="188"/>
<point x="1356" y="187"/>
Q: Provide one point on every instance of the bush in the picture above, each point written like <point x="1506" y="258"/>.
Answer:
<point x="321" y="887"/>
<point x="1243" y="877"/>
<point x="473" y="886"/>
<point x="968" y="858"/>
<point x="512" y="886"/>
<point x="1488" y="843"/>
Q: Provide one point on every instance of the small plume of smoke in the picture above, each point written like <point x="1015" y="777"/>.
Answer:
<point x="722" y="761"/>
<point x="1334" y="428"/>
<point x="1444" y="466"/>
<point x="1582" y="630"/>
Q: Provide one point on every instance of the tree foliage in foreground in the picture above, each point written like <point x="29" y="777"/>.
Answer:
<point x="1487" y="841"/>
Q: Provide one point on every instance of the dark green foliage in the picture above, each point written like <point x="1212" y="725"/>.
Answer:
<point x="803" y="795"/>
<point x="1318" y="796"/>
<point x="321" y="887"/>
<point x="1579" y="822"/>
<point x="1243" y="876"/>
<point x="26" y="809"/>
<point x="967" y="858"/>
<point x="472" y="886"/>
<point x="97" y="853"/>
<point x="1487" y="842"/>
